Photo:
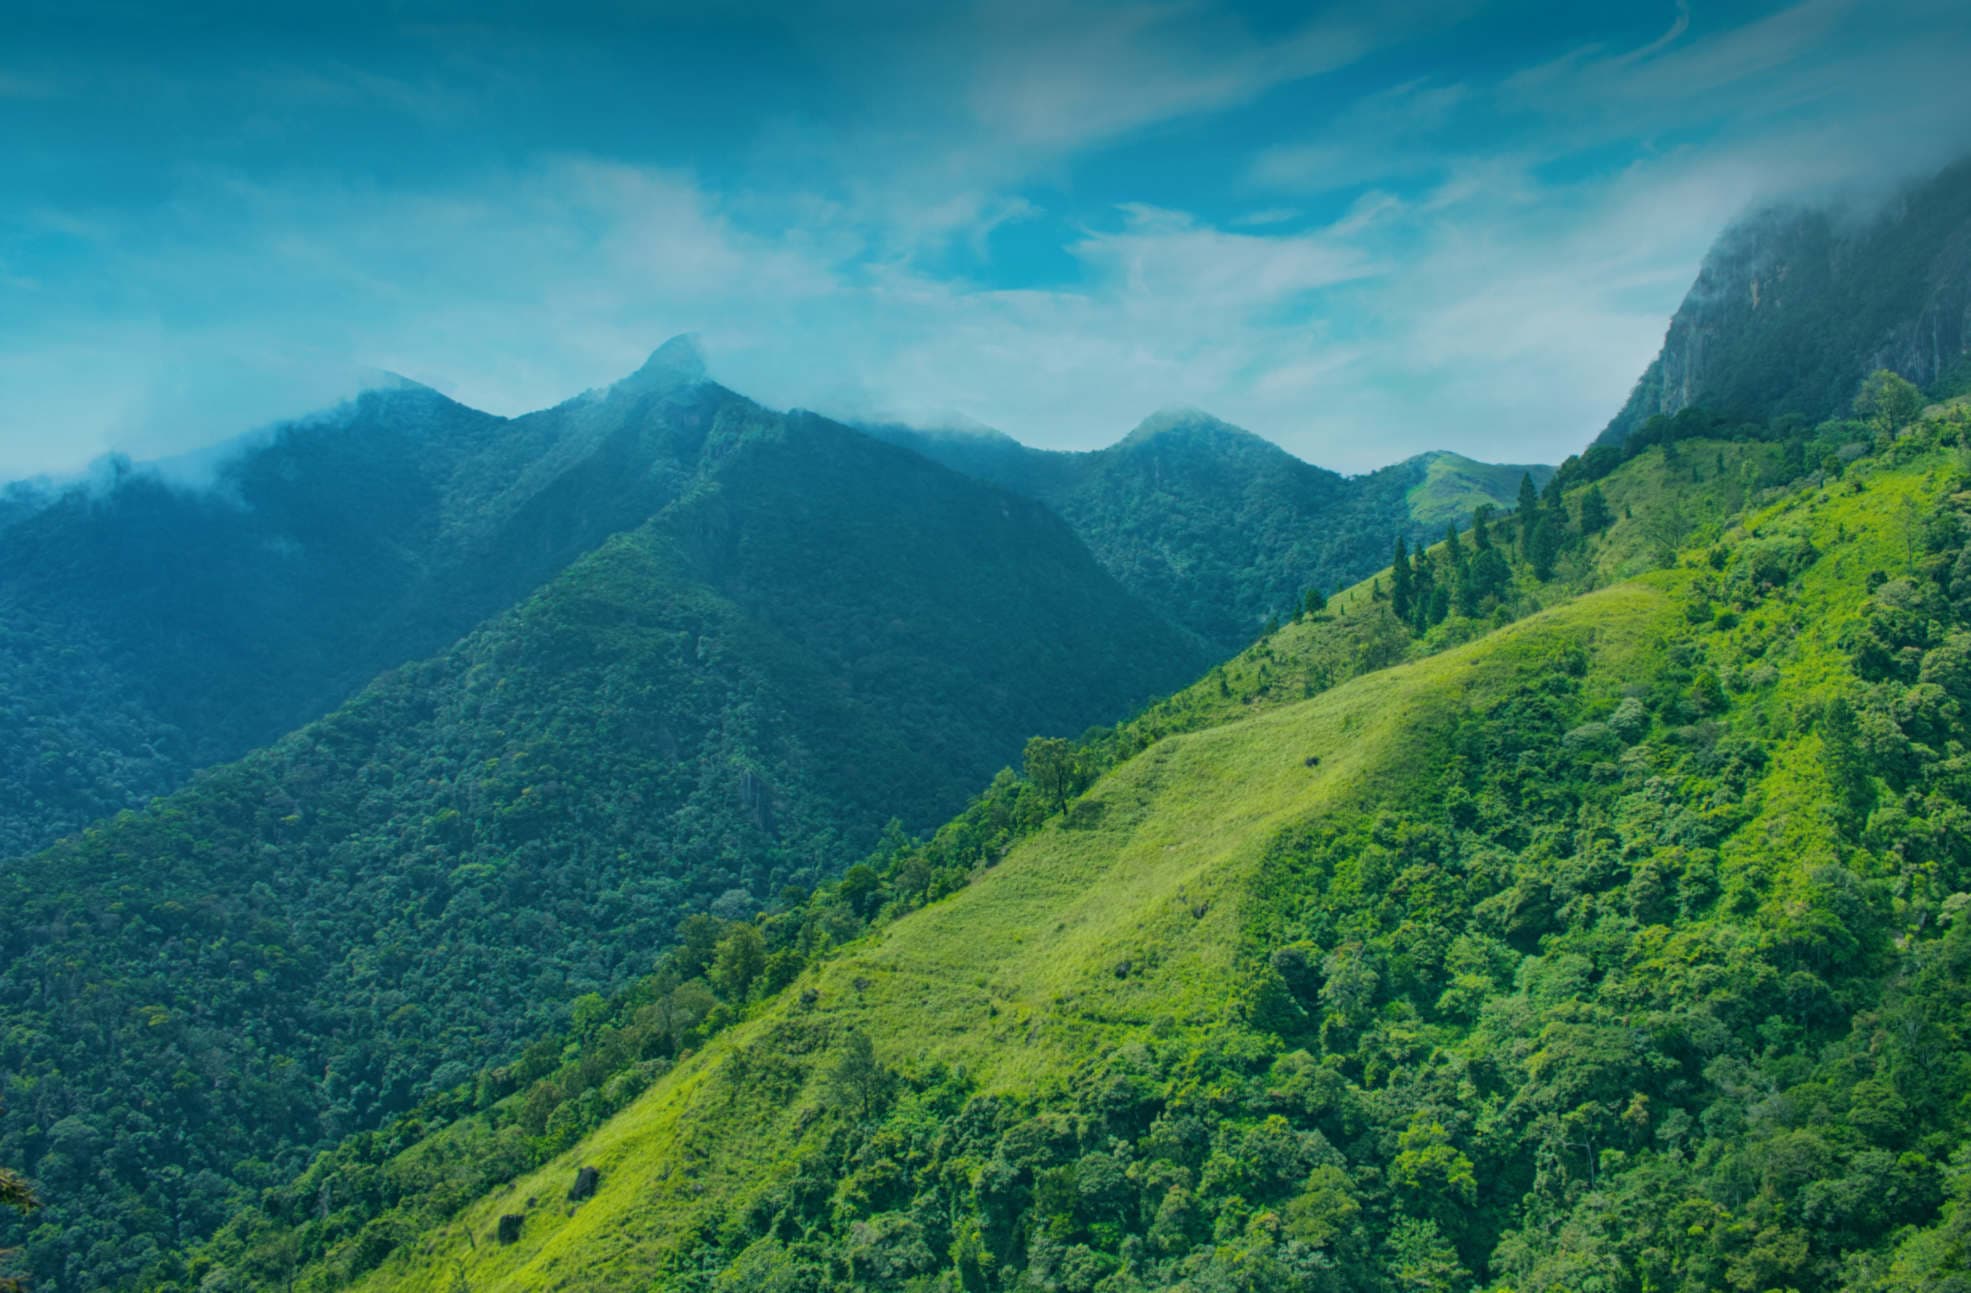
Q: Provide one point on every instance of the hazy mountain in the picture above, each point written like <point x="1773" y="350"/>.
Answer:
<point x="1217" y="527"/>
<point x="1796" y="305"/>
<point x="153" y="621"/>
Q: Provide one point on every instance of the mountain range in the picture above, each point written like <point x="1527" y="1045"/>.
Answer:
<point x="1575" y="901"/>
<point x="156" y="625"/>
<point x="653" y="652"/>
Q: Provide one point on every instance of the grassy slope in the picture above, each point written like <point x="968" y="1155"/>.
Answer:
<point x="1015" y="977"/>
<point x="1305" y="655"/>
<point x="1454" y="486"/>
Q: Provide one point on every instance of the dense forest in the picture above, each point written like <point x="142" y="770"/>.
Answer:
<point x="1564" y="891"/>
<point x="822" y="634"/>
<point x="1585" y="914"/>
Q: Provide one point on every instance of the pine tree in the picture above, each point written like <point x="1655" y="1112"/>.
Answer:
<point x="1424" y="592"/>
<point x="1545" y="548"/>
<point x="1529" y="512"/>
<point x="1400" y="575"/>
<point x="1595" y="516"/>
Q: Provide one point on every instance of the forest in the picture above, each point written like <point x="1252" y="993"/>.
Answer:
<point x="1619" y="906"/>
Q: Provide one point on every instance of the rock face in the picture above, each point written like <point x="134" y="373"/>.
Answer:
<point x="584" y="1187"/>
<point x="1795" y="306"/>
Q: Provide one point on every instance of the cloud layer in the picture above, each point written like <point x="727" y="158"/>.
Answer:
<point x="1455" y="226"/>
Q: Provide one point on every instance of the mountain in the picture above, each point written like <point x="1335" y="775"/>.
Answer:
<point x="1797" y="304"/>
<point x="154" y="621"/>
<point x="1609" y="933"/>
<point x="807" y="634"/>
<point x="1217" y="527"/>
<point x="160" y="618"/>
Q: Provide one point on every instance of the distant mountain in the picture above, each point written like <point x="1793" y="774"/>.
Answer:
<point x="1796" y="305"/>
<point x="807" y="634"/>
<point x="149" y="627"/>
<point x="1217" y="527"/>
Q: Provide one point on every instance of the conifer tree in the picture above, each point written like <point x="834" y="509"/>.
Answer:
<point x="1595" y="516"/>
<point x="1400" y="577"/>
<point x="1528" y="513"/>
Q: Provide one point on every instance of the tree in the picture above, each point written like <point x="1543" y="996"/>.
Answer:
<point x="17" y="1194"/>
<point x="1890" y="400"/>
<point x="1847" y="768"/>
<point x="1665" y="529"/>
<point x="1314" y="602"/>
<point x="1528" y="513"/>
<point x="1050" y="767"/>
<point x="741" y="957"/>
<point x="1595" y="516"/>
<point x="1400" y="581"/>
<point x="860" y="888"/>
<point x="1421" y="1260"/>
<point x="1544" y="549"/>
<point x="857" y="1082"/>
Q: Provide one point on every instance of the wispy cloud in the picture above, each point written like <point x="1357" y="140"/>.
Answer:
<point x="1338" y="229"/>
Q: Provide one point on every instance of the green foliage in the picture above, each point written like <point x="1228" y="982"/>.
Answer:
<point x="1554" y="972"/>
<point x="17" y="1194"/>
<point x="1050" y="765"/>
<point x="1890" y="400"/>
<point x="149" y="629"/>
<point x="822" y="633"/>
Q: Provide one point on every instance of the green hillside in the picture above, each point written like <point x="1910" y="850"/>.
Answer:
<point x="1609" y="938"/>
<point x="1452" y="487"/>
<point x="822" y="633"/>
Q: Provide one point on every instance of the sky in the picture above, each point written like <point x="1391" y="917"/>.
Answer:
<point x="1362" y="231"/>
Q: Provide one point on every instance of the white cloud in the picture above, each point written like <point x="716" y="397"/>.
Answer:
<point x="1059" y="76"/>
<point x="1494" y="284"/>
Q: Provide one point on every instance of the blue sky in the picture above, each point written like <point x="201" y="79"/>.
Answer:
<point x="1362" y="231"/>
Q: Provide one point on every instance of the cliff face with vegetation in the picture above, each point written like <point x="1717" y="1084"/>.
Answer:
<point x="1795" y="306"/>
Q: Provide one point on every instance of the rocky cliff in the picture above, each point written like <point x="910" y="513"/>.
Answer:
<point x="1795" y="305"/>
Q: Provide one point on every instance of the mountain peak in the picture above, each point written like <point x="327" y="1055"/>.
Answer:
<point x="678" y="362"/>
<point x="1191" y="423"/>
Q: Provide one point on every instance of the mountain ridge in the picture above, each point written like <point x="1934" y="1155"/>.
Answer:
<point x="1219" y="526"/>
<point x="816" y="634"/>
